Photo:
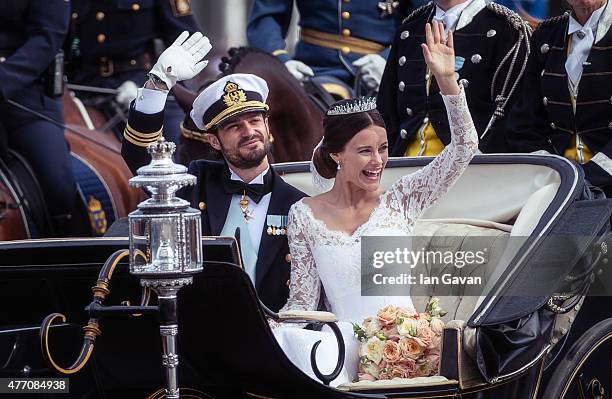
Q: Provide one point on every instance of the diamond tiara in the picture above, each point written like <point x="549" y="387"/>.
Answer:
<point x="362" y="104"/>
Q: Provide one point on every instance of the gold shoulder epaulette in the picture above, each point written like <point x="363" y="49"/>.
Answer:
<point x="512" y="17"/>
<point x="424" y="9"/>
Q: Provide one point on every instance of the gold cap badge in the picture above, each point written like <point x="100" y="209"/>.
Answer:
<point x="234" y="95"/>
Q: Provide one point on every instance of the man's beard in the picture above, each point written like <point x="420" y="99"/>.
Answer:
<point x="251" y="160"/>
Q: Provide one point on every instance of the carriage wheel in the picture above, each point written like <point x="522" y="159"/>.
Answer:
<point x="586" y="370"/>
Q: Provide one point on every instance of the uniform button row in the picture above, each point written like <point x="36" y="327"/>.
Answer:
<point x="346" y="15"/>
<point x="101" y="38"/>
<point x="346" y="32"/>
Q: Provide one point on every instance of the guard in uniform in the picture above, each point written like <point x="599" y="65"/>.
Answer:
<point x="337" y="38"/>
<point x="112" y="46"/>
<point x="565" y="107"/>
<point x="31" y="36"/>
<point x="233" y="112"/>
<point x="491" y="45"/>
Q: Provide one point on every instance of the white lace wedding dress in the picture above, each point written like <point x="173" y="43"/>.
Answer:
<point x="332" y="259"/>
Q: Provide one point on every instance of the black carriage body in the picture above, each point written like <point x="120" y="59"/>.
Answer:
<point x="225" y="345"/>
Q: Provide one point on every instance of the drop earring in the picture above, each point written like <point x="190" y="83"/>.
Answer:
<point x="339" y="166"/>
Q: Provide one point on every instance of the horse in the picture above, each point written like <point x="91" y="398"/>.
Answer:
<point x="100" y="172"/>
<point x="296" y="123"/>
<point x="102" y="152"/>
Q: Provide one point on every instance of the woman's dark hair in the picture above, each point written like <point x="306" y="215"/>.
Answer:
<point x="339" y="130"/>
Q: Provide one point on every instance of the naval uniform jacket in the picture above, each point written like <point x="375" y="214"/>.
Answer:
<point x="543" y="118"/>
<point x="484" y="34"/>
<point x="273" y="265"/>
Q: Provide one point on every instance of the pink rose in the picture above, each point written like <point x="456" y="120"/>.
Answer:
<point x="433" y="358"/>
<point x="411" y="347"/>
<point x="387" y="315"/>
<point x="424" y="333"/>
<point x="409" y="365"/>
<point x="429" y="364"/>
<point x="398" y="371"/>
<point x="391" y="351"/>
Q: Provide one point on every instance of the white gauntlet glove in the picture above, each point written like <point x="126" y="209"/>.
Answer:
<point x="371" y="68"/>
<point x="299" y="70"/>
<point x="183" y="59"/>
<point x="126" y="93"/>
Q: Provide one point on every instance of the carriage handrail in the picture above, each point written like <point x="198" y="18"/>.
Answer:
<point x="96" y="310"/>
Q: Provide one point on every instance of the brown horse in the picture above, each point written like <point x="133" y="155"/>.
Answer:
<point x="102" y="150"/>
<point x="295" y="121"/>
<point x="99" y="169"/>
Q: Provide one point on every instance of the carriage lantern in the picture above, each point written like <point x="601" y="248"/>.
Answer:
<point x="168" y="232"/>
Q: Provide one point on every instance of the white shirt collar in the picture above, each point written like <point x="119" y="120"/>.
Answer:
<point x="257" y="180"/>
<point x="574" y="26"/>
<point x="455" y="10"/>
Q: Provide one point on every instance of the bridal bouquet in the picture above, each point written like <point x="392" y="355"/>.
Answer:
<point x="400" y="343"/>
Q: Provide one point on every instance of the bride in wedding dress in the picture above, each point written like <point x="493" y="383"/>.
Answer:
<point x="325" y="231"/>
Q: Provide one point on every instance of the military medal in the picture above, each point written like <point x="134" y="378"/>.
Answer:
<point x="244" y="207"/>
<point x="277" y="225"/>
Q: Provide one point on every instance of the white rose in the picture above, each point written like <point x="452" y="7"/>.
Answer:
<point x="372" y="349"/>
<point x="408" y="327"/>
<point x="372" y="328"/>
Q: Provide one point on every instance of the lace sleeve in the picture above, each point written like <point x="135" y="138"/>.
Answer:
<point x="414" y="193"/>
<point x="304" y="284"/>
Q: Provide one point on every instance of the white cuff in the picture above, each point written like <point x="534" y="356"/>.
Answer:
<point x="150" y="101"/>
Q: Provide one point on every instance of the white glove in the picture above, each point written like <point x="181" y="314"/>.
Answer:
<point x="371" y="67"/>
<point x="183" y="59"/>
<point x="299" y="70"/>
<point x="126" y="93"/>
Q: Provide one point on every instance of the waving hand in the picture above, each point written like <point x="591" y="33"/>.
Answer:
<point x="440" y="57"/>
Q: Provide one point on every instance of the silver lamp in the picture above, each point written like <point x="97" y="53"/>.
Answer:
<point x="169" y="233"/>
